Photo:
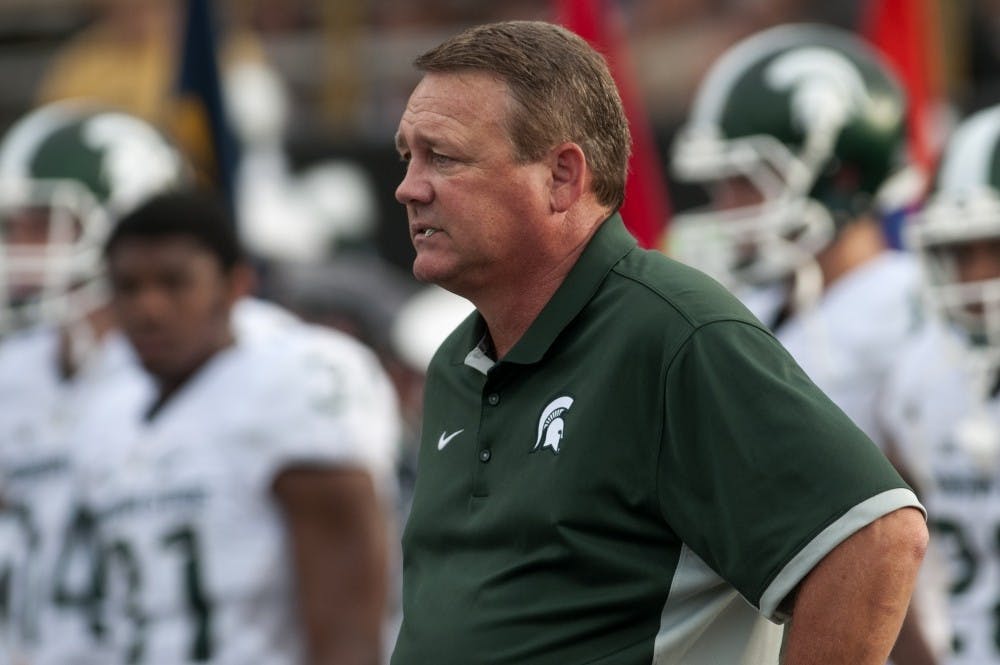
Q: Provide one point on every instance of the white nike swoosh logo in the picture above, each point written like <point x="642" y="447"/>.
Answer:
<point x="444" y="440"/>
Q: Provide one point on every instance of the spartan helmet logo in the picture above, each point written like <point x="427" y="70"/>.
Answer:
<point x="551" y="424"/>
<point x="826" y="89"/>
<point x="137" y="160"/>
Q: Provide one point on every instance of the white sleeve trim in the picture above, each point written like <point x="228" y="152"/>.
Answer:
<point x="853" y="520"/>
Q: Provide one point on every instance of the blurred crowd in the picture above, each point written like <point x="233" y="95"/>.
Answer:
<point x="313" y="92"/>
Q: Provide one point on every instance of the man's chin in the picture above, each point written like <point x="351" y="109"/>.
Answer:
<point x="426" y="269"/>
<point x="157" y="366"/>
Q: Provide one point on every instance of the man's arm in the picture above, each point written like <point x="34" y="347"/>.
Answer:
<point x="848" y="610"/>
<point x="912" y="646"/>
<point x="338" y="543"/>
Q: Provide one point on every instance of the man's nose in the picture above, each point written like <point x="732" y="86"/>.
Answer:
<point x="414" y="187"/>
<point x="147" y="304"/>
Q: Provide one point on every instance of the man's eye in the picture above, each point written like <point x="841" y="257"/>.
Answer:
<point x="124" y="287"/>
<point x="176" y="281"/>
<point x="440" y="160"/>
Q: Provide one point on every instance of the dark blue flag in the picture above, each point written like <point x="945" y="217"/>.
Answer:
<point x="201" y="124"/>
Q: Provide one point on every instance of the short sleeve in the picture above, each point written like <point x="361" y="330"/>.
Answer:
<point x="760" y="473"/>
<point x="335" y="406"/>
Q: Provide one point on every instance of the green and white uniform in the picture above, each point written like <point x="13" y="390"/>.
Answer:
<point x="42" y="542"/>
<point x="936" y="413"/>
<point x="643" y="478"/>
<point x="196" y="565"/>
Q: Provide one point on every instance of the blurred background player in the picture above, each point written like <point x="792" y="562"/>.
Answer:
<point x="941" y="410"/>
<point x="798" y="135"/>
<point x="401" y="321"/>
<point x="67" y="171"/>
<point x="241" y="503"/>
<point x="795" y="132"/>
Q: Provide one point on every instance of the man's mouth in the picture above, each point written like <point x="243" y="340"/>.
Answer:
<point x="425" y="232"/>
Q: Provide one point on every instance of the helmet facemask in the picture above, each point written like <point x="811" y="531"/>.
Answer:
<point x="972" y="306"/>
<point x="51" y="235"/>
<point x="761" y="241"/>
<point x="941" y="237"/>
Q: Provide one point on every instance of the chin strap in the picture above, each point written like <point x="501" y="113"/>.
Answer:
<point x="79" y="347"/>
<point x="807" y="285"/>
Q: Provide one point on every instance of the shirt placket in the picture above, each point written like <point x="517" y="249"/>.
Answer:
<point x="491" y="428"/>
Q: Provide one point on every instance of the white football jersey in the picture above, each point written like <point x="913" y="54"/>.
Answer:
<point x="948" y="434"/>
<point x="848" y="341"/>
<point x="46" y="618"/>
<point x="196" y="563"/>
<point x="255" y="320"/>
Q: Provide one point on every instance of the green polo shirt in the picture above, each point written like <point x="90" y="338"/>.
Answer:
<point x="646" y="472"/>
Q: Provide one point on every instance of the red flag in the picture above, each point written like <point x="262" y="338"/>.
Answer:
<point x="645" y="209"/>
<point x="904" y="31"/>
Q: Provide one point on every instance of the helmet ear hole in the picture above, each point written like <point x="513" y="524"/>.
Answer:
<point x="74" y="169"/>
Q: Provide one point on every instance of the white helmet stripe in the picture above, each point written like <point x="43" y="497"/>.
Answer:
<point x="971" y="153"/>
<point x="22" y="140"/>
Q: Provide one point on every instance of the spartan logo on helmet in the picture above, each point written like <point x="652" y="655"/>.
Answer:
<point x="824" y="88"/>
<point x="133" y="155"/>
<point x="552" y="425"/>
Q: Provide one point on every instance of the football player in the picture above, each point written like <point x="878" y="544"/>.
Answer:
<point x="798" y="135"/>
<point x="240" y="502"/>
<point x="66" y="172"/>
<point x="941" y="410"/>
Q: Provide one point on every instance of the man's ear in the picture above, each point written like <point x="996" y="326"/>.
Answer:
<point x="569" y="176"/>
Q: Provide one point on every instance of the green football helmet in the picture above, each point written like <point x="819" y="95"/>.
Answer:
<point x="963" y="207"/>
<point x="812" y="123"/>
<point x="67" y="172"/>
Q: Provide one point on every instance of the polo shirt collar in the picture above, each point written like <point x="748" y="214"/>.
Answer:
<point x="609" y="244"/>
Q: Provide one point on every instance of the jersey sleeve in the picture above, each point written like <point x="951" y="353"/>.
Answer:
<point x="335" y="407"/>
<point x="760" y="474"/>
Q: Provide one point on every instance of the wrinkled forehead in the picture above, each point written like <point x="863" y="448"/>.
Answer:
<point x="456" y="103"/>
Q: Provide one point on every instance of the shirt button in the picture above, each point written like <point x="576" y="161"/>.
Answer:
<point x="485" y="455"/>
<point x="493" y="399"/>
